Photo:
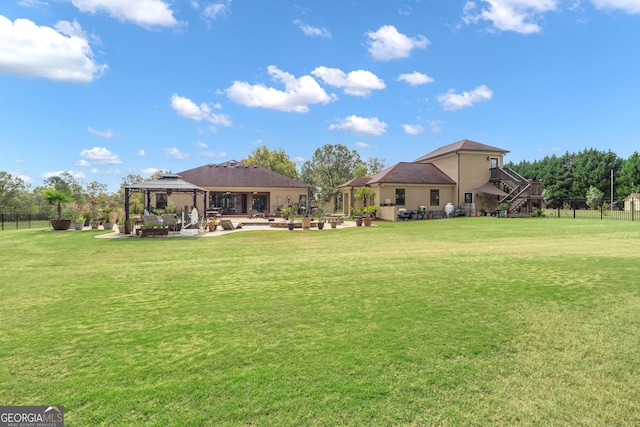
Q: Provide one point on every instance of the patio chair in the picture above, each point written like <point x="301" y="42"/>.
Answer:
<point x="150" y="220"/>
<point x="171" y="221"/>
<point x="226" y="224"/>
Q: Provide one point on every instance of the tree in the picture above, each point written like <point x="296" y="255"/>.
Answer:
<point x="57" y="198"/>
<point x="330" y="166"/>
<point x="372" y="166"/>
<point x="275" y="160"/>
<point x="594" y="197"/>
<point x="10" y="189"/>
<point x="628" y="179"/>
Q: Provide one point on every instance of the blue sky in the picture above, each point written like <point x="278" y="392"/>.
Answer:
<point x="106" y="88"/>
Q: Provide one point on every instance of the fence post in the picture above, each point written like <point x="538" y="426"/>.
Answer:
<point x="601" y="211"/>
<point x="2" y="220"/>
<point x="633" y="209"/>
<point x="574" y="208"/>
<point x="558" y="203"/>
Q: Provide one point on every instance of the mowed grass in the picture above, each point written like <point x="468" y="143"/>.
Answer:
<point x="468" y="321"/>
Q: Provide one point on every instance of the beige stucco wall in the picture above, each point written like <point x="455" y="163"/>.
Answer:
<point x="276" y="197"/>
<point x="470" y="170"/>
<point x="415" y="196"/>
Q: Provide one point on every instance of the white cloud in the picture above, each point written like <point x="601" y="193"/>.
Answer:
<point x="361" y="144"/>
<point x="415" y="78"/>
<point x="75" y="174"/>
<point x="62" y="54"/>
<point x="413" y="129"/>
<point x="35" y="4"/>
<point x="629" y="6"/>
<point x="200" y="144"/>
<point x="102" y="133"/>
<point x="26" y="179"/>
<point x="387" y="43"/>
<point x="256" y="142"/>
<point x="299" y="93"/>
<point x="312" y="31"/>
<point x="149" y="171"/>
<point x="83" y="163"/>
<point x="434" y="126"/>
<point x="452" y="101"/>
<point x="142" y="153"/>
<point x="100" y="156"/>
<point x="106" y="171"/>
<point x="510" y="15"/>
<point x="145" y="13"/>
<point x="174" y="153"/>
<point x="215" y="10"/>
<point x="356" y="83"/>
<point x="214" y="154"/>
<point x="188" y="109"/>
<point x="360" y="125"/>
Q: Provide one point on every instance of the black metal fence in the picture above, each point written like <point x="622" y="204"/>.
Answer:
<point x="17" y="221"/>
<point x="578" y="208"/>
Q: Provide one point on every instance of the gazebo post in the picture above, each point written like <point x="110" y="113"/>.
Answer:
<point x="127" y="227"/>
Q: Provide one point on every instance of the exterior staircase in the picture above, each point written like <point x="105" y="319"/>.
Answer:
<point x="520" y="191"/>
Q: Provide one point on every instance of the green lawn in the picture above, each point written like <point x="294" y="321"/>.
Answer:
<point x="466" y="321"/>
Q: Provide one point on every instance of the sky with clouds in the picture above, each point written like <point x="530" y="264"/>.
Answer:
<point x="106" y="88"/>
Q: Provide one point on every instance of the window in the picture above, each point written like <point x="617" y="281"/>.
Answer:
<point x="161" y="201"/>
<point x="494" y="162"/>
<point x="434" y="200"/>
<point x="399" y="196"/>
<point x="468" y="197"/>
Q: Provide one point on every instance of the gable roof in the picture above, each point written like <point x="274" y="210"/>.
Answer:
<point x="236" y="174"/>
<point x="357" y="182"/>
<point x="464" y="145"/>
<point x="411" y="173"/>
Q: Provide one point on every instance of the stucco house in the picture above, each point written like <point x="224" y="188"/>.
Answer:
<point x="234" y="188"/>
<point x="468" y="174"/>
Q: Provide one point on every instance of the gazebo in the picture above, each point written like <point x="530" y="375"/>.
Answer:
<point x="168" y="183"/>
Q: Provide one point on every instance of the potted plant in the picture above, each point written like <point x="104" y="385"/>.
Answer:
<point x="153" y="230"/>
<point x="75" y="212"/>
<point x="420" y="212"/>
<point x="58" y="199"/>
<point x="319" y="212"/>
<point x="357" y="216"/>
<point x="212" y="224"/>
<point x="369" y="213"/>
<point x="503" y="209"/>
<point x="109" y="216"/>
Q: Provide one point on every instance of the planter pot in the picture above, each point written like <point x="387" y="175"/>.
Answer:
<point x="320" y="225"/>
<point x="367" y="222"/>
<point x="290" y="226"/>
<point x="78" y="225"/>
<point x="213" y="228"/>
<point x="107" y="225"/>
<point x="144" y="232"/>
<point x="95" y="225"/>
<point x="306" y="223"/>
<point x="334" y="224"/>
<point x="61" y="224"/>
<point x="358" y="220"/>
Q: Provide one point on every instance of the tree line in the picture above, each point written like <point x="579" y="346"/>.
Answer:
<point x="580" y="175"/>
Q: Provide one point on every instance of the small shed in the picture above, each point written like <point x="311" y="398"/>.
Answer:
<point x="632" y="202"/>
<point x="167" y="183"/>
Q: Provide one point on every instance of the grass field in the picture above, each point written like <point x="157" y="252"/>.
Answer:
<point x="467" y="321"/>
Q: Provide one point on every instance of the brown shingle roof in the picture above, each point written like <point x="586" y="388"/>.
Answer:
<point x="235" y="174"/>
<point x="411" y="173"/>
<point x="464" y="145"/>
<point x="357" y="182"/>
